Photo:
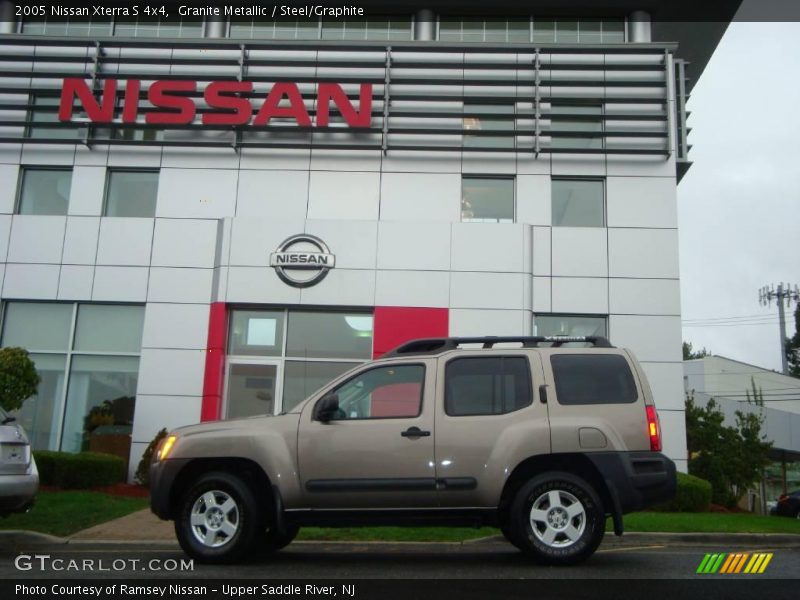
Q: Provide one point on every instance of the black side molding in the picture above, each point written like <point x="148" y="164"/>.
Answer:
<point x="410" y="484"/>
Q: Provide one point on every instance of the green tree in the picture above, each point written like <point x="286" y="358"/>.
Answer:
<point x="732" y="459"/>
<point x="690" y="354"/>
<point x="18" y="377"/>
<point x="793" y="346"/>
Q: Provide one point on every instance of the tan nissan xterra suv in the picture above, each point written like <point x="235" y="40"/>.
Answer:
<point x="543" y="440"/>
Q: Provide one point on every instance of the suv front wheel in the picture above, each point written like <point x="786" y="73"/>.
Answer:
<point x="558" y="518"/>
<point x="219" y="519"/>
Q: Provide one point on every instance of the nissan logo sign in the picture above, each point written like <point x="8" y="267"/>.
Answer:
<point x="302" y="260"/>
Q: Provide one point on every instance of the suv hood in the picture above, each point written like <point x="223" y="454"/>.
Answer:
<point x="258" y="421"/>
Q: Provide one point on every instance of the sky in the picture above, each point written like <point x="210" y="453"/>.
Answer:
<point x="739" y="204"/>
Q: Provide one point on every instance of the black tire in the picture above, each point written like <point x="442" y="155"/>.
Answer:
<point x="568" y="530"/>
<point x="272" y="541"/>
<point x="508" y="533"/>
<point x="227" y="517"/>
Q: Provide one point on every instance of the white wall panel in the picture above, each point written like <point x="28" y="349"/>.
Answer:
<point x="414" y="246"/>
<point x="253" y="239"/>
<point x="488" y="290"/>
<point x="31" y="282"/>
<point x="259" y="285"/>
<point x="354" y="243"/>
<point x="86" y="193"/>
<point x="579" y="165"/>
<point x="342" y="287"/>
<point x="646" y="166"/>
<point x="494" y="247"/>
<point x="645" y="296"/>
<point x="422" y="162"/>
<point x="666" y="382"/>
<point x="534" y="203"/>
<point x="134" y="157"/>
<point x="48" y="154"/>
<point x="184" y="243"/>
<point x="650" y="338"/>
<point x="275" y="194"/>
<point x="673" y="435"/>
<point x="580" y="295"/>
<point x="200" y="158"/>
<point x="579" y="251"/>
<point x="36" y="239"/>
<point x="542" y="248"/>
<point x="412" y="288"/>
<point x="175" y="326"/>
<point x="345" y="160"/>
<point x="189" y="286"/>
<point x="489" y="322"/>
<point x="171" y="372"/>
<point x="643" y="253"/>
<point x="8" y="189"/>
<point x="542" y="295"/>
<point x="97" y="156"/>
<point x="488" y="163"/>
<point x="80" y="240"/>
<point x="197" y="193"/>
<point x="125" y="241"/>
<point x="418" y="197"/>
<point x="75" y="282"/>
<point x="641" y="202"/>
<point x="154" y="413"/>
<point x="344" y="195"/>
<point x="120" y="284"/>
<point x="296" y="159"/>
<point x="5" y="234"/>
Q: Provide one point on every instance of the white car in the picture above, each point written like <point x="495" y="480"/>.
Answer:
<point x="19" y="478"/>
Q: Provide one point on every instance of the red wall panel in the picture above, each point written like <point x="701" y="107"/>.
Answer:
<point x="397" y="324"/>
<point x="214" y="380"/>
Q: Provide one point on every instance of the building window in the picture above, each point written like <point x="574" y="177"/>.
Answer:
<point x="578" y="203"/>
<point x="488" y="117"/>
<point x="88" y="358"/>
<point x="68" y="27"/>
<point x="522" y="30"/>
<point x="569" y="121"/>
<point x="487" y="386"/>
<point x="44" y="191"/>
<point x="386" y="29"/>
<point x="43" y="113"/>
<point x="487" y="199"/>
<point x="570" y="325"/>
<point x="278" y="358"/>
<point x="145" y="27"/>
<point x="131" y="194"/>
<point x="393" y="392"/>
<point x="484" y="30"/>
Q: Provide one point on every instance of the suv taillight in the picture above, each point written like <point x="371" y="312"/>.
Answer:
<point x="653" y="429"/>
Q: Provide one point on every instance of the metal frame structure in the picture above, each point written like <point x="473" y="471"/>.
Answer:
<point x="419" y="91"/>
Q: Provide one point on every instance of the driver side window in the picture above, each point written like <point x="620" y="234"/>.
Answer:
<point x="381" y="393"/>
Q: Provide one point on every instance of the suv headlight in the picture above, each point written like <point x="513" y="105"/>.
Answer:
<point x="165" y="448"/>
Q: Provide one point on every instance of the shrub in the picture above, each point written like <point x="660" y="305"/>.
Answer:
<point x="79" y="471"/>
<point x="18" y="377"/>
<point x="693" y="495"/>
<point x="143" y="469"/>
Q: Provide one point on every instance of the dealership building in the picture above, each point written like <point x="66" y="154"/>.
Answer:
<point x="206" y="219"/>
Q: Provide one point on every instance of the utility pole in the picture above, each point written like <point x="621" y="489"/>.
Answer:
<point x="786" y="294"/>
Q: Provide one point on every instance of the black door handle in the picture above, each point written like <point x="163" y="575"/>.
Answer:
<point x="415" y="432"/>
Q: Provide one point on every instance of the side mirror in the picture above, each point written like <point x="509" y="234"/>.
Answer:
<point x="327" y="408"/>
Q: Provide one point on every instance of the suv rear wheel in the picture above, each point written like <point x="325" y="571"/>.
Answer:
<point x="219" y="519"/>
<point x="272" y="541"/>
<point x="558" y="518"/>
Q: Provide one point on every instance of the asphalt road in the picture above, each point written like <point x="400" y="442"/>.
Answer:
<point x="485" y="559"/>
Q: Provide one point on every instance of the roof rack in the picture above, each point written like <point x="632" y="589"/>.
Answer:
<point x="434" y="346"/>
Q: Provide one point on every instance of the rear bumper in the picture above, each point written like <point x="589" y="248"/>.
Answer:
<point x="18" y="492"/>
<point x="162" y="480"/>
<point x="636" y="480"/>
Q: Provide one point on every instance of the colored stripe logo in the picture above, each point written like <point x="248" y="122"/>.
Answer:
<point x="734" y="563"/>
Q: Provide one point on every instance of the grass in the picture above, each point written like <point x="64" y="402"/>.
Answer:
<point x="63" y="513"/>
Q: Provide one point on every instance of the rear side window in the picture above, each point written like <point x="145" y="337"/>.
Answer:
<point x="487" y="386"/>
<point x="593" y="379"/>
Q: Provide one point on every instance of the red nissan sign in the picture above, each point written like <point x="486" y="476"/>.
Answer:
<point x="230" y="108"/>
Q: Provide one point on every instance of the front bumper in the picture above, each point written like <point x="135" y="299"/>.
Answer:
<point x="636" y="480"/>
<point x="162" y="479"/>
<point x="18" y="492"/>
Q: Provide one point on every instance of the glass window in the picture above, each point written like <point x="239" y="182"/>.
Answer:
<point x="44" y="191"/>
<point x="256" y="333"/>
<point x="131" y="193"/>
<point x="70" y="27"/>
<point x="384" y="392"/>
<point x="303" y="378"/>
<point x="37" y="325"/>
<point x="109" y="328"/>
<point x="482" y="117"/>
<point x="593" y="379"/>
<point x="578" y="203"/>
<point x="101" y="397"/>
<point x="613" y="31"/>
<point x="487" y="200"/>
<point x="570" y="325"/>
<point x="487" y="386"/>
<point x="566" y="31"/>
<point x="150" y="27"/>
<point x="44" y="109"/>
<point x="576" y="118"/>
<point x="251" y="390"/>
<point x="329" y="335"/>
<point x="40" y="415"/>
<point x="544" y="31"/>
